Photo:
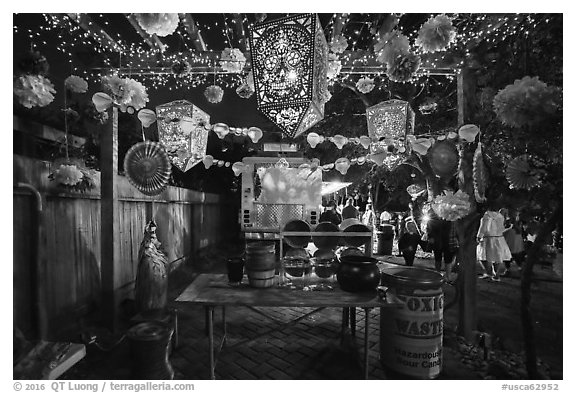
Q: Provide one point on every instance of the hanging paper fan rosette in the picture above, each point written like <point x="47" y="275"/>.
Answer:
<point x="521" y="174"/>
<point x="148" y="167"/>
<point x="480" y="175"/>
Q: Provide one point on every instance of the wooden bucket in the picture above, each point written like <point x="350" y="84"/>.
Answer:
<point x="260" y="264"/>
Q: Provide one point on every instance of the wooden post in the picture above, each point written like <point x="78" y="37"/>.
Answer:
<point x="468" y="226"/>
<point x="109" y="232"/>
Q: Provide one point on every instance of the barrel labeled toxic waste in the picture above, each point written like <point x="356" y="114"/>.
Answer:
<point x="260" y="264"/>
<point x="411" y="334"/>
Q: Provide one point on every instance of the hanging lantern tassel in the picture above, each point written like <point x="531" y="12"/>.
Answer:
<point x="102" y="101"/>
<point x="208" y="161"/>
<point x="480" y="175"/>
<point x="146" y="116"/>
<point x="254" y="133"/>
<point x="342" y="164"/>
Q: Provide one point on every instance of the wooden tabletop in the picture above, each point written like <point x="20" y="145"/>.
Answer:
<point x="214" y="290"/>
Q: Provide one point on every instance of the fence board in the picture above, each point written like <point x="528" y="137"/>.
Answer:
<point x="72" y="240"/>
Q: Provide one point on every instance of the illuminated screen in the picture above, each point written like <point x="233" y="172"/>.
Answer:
<point x="290" y="186"/>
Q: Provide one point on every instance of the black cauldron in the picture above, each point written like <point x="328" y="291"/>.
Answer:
<point x="358" y="273"/>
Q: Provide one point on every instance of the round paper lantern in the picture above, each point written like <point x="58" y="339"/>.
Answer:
<point x="147" y="167"/>
<point x="468" y="132"/>
<point x="313" y="139"/>
<point x="221" y="130"/>
<point x="146" y="117"/>
<point x="443" y="157"/>
<point x="102" y="101"/>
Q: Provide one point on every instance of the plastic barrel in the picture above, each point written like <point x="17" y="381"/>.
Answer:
<point x="411" y="335"/>
<point x="385" y="240"/>
<point x="149" y="347"/>
<point x="326" y="242"/>
<point x="260" y="264"/>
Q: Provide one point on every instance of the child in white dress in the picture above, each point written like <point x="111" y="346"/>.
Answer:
<point x="492" y="249"/>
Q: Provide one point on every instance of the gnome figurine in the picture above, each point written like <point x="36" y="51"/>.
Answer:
<point x="151" y="289"/>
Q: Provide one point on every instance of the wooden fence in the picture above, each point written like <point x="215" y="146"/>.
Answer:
<point x="70" y="249"/>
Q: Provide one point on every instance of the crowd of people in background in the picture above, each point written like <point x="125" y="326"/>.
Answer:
<point x="502" y="238"/>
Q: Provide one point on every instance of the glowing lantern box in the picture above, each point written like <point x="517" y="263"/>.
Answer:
<point x="289" y="61"/>
<point x="389" y="123"/>
<point x="181" y="128"/>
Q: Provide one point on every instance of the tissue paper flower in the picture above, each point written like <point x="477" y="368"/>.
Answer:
<point x="365" y="85"/>
<point x="68" y="175"/>
<point x="334" y="66"/>
<point x="403" y="67"/>
<point x="232" y="60"/>
<point x="159" y="24"/>
<point x="390" y="46"/>
<point x="526" y="102"/>
<point x="126" y="92"/>
<point x="436" y="34"/>
<point x="214" y="94"/>
<point x="34" y="90"/>
<point x="338" y="44"/>
<point x="452" y="206"/>
<point x="76" y="84"/>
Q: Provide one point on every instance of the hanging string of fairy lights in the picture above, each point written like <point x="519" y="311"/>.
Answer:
<point x="141" y="61"/>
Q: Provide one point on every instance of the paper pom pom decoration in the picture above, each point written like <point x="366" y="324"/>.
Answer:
<point x="159" y="24"/>
<point x="148" y="167"/>
<point x="365" y="85"/>
<point x="76" y="84"/>
<point x="479" y="175"/>
<point x="181" y="67"/>
<point x="68" y="175"/>
<point x="71" y="174"/>
<point x="391" y="45"/>
<point x="468" y="132"/>
<point x="34" y="63"/>
<point x="436" y="34"/>
<point x="334" y="66"/>
<point x="214" y="94"/>
<point x="526" y="102"/>
<point x="452" y="206"/>
<point x="521" y="174"/>
<point x="232" y="60"/>
<point x="244" y="91"/>
<point x="443" y="158"/>
<point x="403" y="67"/>
<point x="338" y="44"/>
<point x="125" y="92"/>
<point x="34" y="90"/>
<point x="415" y="190"/>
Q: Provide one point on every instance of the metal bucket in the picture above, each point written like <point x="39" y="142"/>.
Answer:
<point x="149" y="348"/>
<point x="411" y="335"/>
<point x="260" y="264"/>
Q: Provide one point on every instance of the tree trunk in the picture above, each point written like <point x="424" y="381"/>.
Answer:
<point x="534" y="254"/>
<point x="467" y="312"/>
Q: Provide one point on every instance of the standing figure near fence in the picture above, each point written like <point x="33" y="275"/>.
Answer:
<point x="492" y="249"/>
<point x="350" y="211"/>
<point x="443" y="241"/>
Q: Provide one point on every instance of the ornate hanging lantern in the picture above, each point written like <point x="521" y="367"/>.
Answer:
<point x="390" y="123"/>
<point x="183" y="130"/>
<point x="289" y="61"/>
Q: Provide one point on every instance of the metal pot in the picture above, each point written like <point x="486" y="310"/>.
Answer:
<point x="358" y="273"/>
